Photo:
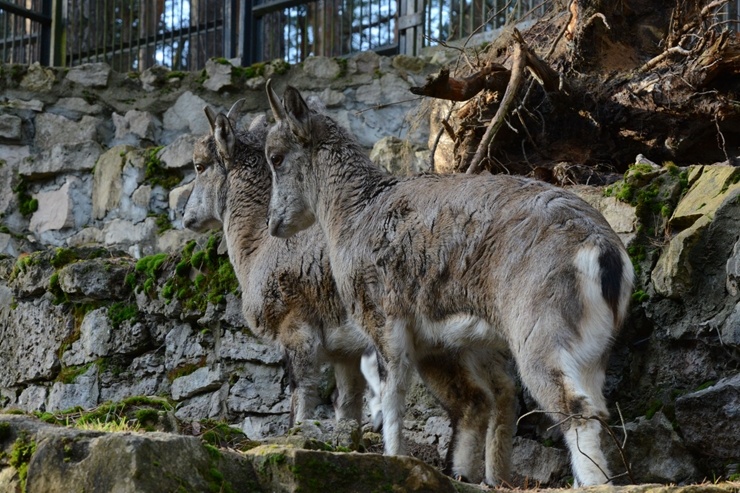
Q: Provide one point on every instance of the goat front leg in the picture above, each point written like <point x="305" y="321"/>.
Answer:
<point x="398" y="352"/>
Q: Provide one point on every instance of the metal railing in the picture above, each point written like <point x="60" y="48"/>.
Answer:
<point x="132" y="35"/>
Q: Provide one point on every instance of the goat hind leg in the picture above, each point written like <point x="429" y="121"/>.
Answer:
<point x="350" y="389"/>
<point x="502" y="424"/>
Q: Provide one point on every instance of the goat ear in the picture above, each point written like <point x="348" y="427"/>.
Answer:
<point x="233" y="114"/>
<point x="298" y="114"/>
<point x="211" y="115"/>
<point x="223" y="134"/>
<point x="277" y="108"/>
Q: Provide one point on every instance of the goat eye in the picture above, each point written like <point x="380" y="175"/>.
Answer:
<point x="199" y="168"/>
<point x="276" y="160"/>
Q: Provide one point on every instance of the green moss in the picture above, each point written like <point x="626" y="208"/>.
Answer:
<point x="149" y="267"/>
<point x="640" y="296"/>
<point x="63" y="256"/>
<point x="653" y="407"/>
<point x="705" y="385"/>
<point x="27" y="205"/>
<point x="185" y="369"/>
<point x="175" y="74"/>
<point x="69" y="374"/>
<point x="20" y="456"/>
<point x="120" y="312"/>
<point x="280" y="66"/>
<point x="156" y="174"/>
<point x="162" y="221"/>
<point x="343" y="67"/>
<point x="4" y="431"/>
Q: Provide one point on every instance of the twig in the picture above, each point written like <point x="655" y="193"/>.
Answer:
<point x="670" y="51"/>
<point x="445" y="125"/>
<point x="578" y="446"/>
<point x="597" y="15"/>
<point x="721" y="139"/>
<point x="517" y="73"/>
<point x="604" y="424"/>
<point x="385" y="105"/>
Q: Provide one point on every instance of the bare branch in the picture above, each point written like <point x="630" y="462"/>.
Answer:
<point x="517" y="75"/>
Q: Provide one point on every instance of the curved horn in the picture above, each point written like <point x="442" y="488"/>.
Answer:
<point x="234" y="110"/>
<point x="277" y="108"/>
<point x="211" y="115"/>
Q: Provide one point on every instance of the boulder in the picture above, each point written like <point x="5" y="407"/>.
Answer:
<point x="136" y="126"/>
<point x="62" y="158"/>
<point x="52" y="130"/>
<point x="538" y="464"/>
<point x="198" y="382"/>
<point x="179" y="154"/>
<point x="108" y="181"/>
<point x="84" y="392"/>
<point x="10" y="127"/>
<point x="219" y="75"/>
<point x="655" y="452"/>
<point x="38" y="78"/>
<point x="94" y="75"/>
<point x="186" y="115"/>
<point x="710" y="419"/>
<point x="28" y="348"/>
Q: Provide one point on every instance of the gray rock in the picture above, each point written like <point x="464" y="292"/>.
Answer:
<point x="154" y="77"/>
<point x="66" y="459"/>
<point x="95" y="339"/>
<point x="27" y="105"/>
<point x="179" y="154"/>
<point x="33" y="398"/>
<point x="541" y="465"/>
<point x="238" y="346"/>
<point x="259" y="391"/>
<point x="124" y="233"/>
<point x="8" y="245"/>
<point x="10" y="127"/>
<point x="108" y="181"/>
<point x="321" y="68"/>
<point x="178" y="198"/>
<point x="655" y="452"/>
<point x="90" y="74"/>
<point x="77" y="106"/>
<point x="55" y="209"/>
<point x="96" y="279"/>
<point x="730" y="331"/>
<point x="54" y="129"/>
<point x="710" y="419"/>
<point x="182" y="346"/>
<point x="198" y="382"/>
<point x="38" y="78"/>
<point x="187" y="115"/>
<point x="136" y="126"/>
<point x="398" y="157"/>
<point x="208" y="405"/>
<point x="28" y="347"/>
<point x="258" y="427"/>
<point x="83" y="392"/>
<point x="219" y="75"/>
<point x="62" y="158"/>
<point x="733" y="270"/>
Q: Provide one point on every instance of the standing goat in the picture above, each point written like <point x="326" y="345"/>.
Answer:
<point x="288" y="293"/>
<point x="468" y="262"/>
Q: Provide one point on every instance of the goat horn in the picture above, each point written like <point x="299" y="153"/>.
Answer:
<point x="277" y="108"/>
<point x="232" y="114"/>
<point x="211" y="115"/>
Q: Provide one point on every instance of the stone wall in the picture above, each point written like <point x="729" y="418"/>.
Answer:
<point x="96" y="168"/>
